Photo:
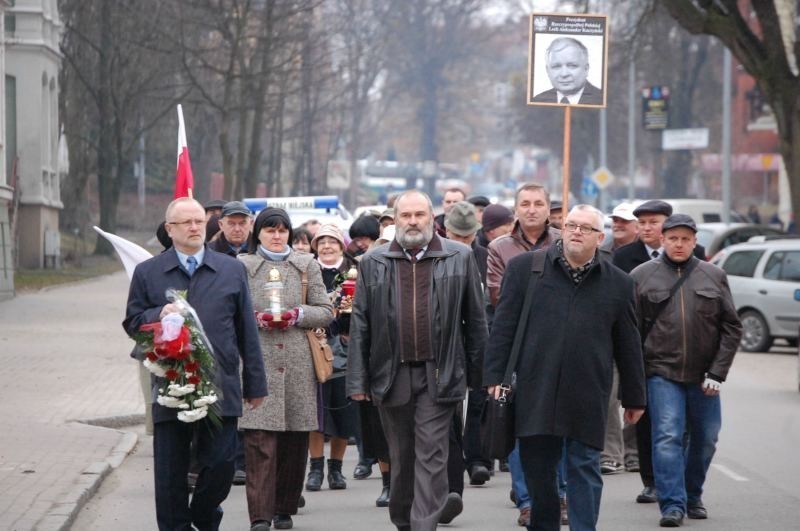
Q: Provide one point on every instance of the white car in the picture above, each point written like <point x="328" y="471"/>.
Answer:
<point x="323" y="208"/>
<point x="765" y="282"/>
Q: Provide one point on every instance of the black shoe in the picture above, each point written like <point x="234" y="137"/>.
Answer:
<point x="363" y="470"/>
<point x="478" y="475"/>
<point x="315" y="474"/>
<point x="503" y="465"/>
<point x="697" y="511"/>
<point x="383" y="499"/>
<point x="512" y="494"/>
<point x="239" y="477"/>
<point x="261" y="525"/>
<point x="301" y="502"/>
<point x="648" y="495"/>
<point x="452" y="508"/>
<point x="282" y="521"/>
<point x="336" y="479"/>
<point x="672" y="518"/>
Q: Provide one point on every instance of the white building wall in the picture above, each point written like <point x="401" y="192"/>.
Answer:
<point x="6" y="192"/>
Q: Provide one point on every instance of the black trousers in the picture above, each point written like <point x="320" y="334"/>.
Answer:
<point x="644" y="444"/>
<point x="472" y="431"/>
<point x="215" y="449"/>
<point x="455" y="456"/>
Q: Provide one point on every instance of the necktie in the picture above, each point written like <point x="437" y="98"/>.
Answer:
<point x="564" y="100"/>
<point x="413" y="255"/>
<point x="654" y="254"/>
<point x="191" y="265"/>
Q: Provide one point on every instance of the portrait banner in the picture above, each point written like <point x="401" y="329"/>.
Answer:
<point x="567" y="61"/>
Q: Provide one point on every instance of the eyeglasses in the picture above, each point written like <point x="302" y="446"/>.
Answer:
<point x="188" y="222"/>
<point x="585" y="229"/>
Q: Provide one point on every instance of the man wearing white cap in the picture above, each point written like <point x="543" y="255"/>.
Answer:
<point x="623" y="227"/>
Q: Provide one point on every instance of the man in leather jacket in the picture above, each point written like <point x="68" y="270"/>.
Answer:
<point x="417" y="335"/>
<point x="690" y="338"/>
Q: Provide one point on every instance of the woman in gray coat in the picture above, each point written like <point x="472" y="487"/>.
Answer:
<point x="276" y="433"/>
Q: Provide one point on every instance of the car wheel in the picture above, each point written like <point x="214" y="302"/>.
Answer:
<point x="755" y="337"/>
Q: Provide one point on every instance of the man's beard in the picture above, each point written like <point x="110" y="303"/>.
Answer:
<point x="418" y="239"/>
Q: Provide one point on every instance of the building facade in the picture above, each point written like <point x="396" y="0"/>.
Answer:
<point x="33" y="31"/>
<point x="6" y="188"/>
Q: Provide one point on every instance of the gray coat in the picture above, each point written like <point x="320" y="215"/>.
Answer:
<point x="292" y="401"/>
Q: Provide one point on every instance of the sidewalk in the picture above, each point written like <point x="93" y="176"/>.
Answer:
<point x="64" y="362"/>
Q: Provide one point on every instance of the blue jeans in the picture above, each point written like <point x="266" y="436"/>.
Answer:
<point x="540" y="457"/>
<point x="680" y="469"/>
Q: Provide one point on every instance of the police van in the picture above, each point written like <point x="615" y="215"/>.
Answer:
<point x="323" y="208"/>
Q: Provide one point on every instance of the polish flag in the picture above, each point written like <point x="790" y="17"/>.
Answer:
<point x="184" y="180"/>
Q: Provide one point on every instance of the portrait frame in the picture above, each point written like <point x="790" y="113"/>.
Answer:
<point x="592" y="32"/>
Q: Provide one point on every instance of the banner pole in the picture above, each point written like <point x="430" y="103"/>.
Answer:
<point x="565" y="161"/>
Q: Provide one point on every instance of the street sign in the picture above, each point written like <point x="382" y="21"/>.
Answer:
<point x="673" y="139"/>
<point x="602" y="177"/>
<point x="655" y="107"/>
<point x="589" y="189"/>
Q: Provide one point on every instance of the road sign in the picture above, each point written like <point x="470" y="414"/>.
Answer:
<point x="602" y="177"/>
<point x="684" y="139"/>
<point x="589" y="189"/>
<point x="655" y="107"/>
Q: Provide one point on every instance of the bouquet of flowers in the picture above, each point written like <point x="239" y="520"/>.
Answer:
<point x="180" y="355"/>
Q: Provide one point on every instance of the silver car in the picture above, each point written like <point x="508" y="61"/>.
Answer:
<point x="765" y="283"/>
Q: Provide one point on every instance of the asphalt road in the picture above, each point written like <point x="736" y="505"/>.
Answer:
<point x="754" y="483"/>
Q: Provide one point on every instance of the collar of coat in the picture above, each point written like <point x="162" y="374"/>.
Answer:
<point x="211" y="259"/>
<point x="255" y="262"/>
<point x="437" y="248"/>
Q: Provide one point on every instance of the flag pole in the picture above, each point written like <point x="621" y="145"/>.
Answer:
<point x="565" y="176"/>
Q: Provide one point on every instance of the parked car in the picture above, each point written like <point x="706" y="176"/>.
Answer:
<point x="765" y="282"/>
<point x="701" y="210"/>
<point x="323" y="208"/>
<point x="717" y="236"/>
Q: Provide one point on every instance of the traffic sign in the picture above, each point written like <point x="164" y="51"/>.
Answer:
<point x="589" y="189"/>
<point x="602" y="177"/>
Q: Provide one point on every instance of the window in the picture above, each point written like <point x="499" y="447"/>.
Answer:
<point x="773" y="269"/>
<point x="742" y="263"/>
<point x="790" y="271"/>
<point x="10" y="24"/>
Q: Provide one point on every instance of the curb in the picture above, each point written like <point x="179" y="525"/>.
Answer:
<point x="62" y="514"/>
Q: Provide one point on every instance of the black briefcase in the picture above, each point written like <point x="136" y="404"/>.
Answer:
<point x="497" y="426"/>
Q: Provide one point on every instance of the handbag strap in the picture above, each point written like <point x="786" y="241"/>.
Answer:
<point x="648" y="325"/>
<point x="539" y="257"/>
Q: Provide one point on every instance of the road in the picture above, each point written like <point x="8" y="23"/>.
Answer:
<point x="754" y="483"/>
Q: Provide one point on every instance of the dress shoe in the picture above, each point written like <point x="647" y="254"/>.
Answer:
<point x="648" y="495"/>
<point x="503" y="466"/>
<point x="512" y="495"/>
<point x="282" y="521"/>
<point x="239" y="477"/>
<point x="697" y="511"/>
<point x="301" y="502"/>
<point x="315" y="474"/>
<point x="452" y="508"/>
<point x="336" y="479"/>
<point x="383" y="499"/>
<point x="673" y="518"/>
<point x="261" y="525"/>
<point x="478" y="475"/>
<point x="564" y="512"/>
<point x="524" y="519"/>
<point x="363" y="470"/>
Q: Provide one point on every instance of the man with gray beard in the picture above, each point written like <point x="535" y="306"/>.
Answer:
<point x="418" y="333"/>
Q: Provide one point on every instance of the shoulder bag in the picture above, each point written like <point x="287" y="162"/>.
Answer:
<point x="497" y="418"/>
<point x="321" y="352"/>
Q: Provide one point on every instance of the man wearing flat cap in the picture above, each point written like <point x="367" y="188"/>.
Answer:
<point x="690" y="331"/>
<point x="235" y="225"/>
<point x="651" y="216"/>
<point x="214" y="207"/>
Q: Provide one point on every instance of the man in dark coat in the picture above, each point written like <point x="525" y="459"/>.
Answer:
<point x="582" y="320"/>
<point x="651" y="216"/>
<point x="235" y="225"/>
<point x="417" y="334"/>
<point x="216" y="287"/>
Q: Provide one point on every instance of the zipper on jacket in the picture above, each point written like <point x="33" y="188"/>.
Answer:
<point x="683" y="326"/>
<point x="414" y="302"/>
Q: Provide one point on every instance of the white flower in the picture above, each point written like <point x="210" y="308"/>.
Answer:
<point x="205" y="400"/>
<point x="155" y="368"/>
<point x="170" y="401"/>
<point x="174" y="389"/>
<point x="193" y="415"/>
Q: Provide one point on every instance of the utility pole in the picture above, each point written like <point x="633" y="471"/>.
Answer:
<point x="726" y="136"/>
<point x="631" y="130"/>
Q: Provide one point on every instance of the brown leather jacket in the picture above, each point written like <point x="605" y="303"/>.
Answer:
<point x="507" y="247"/>
<point x="698" y="331"/>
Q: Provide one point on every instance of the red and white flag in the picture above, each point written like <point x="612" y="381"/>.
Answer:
<point x="184" y="180"/>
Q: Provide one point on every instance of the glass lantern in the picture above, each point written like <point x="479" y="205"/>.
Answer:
<point x="274" y="289"/>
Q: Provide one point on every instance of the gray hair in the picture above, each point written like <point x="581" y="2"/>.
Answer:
<point x="601" y="218"/>
<point x="178" y="201"/>
<point x="412" y="191"/>
<point x="564" y="42"/>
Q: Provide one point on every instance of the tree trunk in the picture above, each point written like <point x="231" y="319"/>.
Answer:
<point x="108" y="207"/>
<point x="428" y="115"/>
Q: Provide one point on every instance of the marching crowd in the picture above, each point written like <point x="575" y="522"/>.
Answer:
<point x="617" y="349"/>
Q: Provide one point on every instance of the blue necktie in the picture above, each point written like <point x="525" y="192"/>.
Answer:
<point x="191" y="265"/>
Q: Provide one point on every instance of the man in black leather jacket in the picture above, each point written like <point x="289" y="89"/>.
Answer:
<point x="418" y="333"/>
<point x="690" y="334"/>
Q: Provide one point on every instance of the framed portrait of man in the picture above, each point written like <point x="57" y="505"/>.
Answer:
<point x="567" y="62"/>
